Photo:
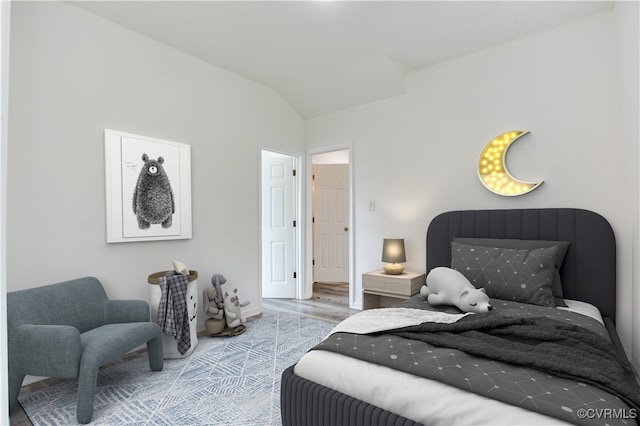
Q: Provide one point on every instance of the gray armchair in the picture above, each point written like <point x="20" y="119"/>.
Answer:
<point x="69" y="330"/>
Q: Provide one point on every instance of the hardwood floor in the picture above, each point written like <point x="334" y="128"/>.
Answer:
<point x="18" y="416"/>
<point x="330" y="302"/>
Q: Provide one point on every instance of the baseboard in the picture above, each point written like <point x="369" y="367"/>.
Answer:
<point x="251" y="311"/>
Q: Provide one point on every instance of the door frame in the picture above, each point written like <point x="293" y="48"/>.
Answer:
<point x="299" y="216"/>
<point x="5" y="23"/>
<point x="307" y="290"/>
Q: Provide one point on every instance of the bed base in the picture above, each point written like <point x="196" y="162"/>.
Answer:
<point x="306" y="403"/>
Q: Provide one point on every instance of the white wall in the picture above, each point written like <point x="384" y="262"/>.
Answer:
<point x="5" y="11"/>
<point x="627" y="15"/>
<point x="416" y="154"/>
<point x="75" y="74"/>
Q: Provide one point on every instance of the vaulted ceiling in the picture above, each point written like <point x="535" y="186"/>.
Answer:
<point x="324" y="56"/>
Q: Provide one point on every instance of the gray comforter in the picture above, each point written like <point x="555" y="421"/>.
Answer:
<point x="564" y="350"/>
<point x="572" y="375"/>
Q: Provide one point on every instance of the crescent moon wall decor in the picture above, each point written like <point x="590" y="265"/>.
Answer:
<point x="492" y="167"/>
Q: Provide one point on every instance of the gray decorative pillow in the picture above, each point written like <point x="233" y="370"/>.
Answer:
<point x="509" y="274"/>
<point x="563" y="246"/>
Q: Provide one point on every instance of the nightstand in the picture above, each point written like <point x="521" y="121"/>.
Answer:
<point x="381" y="290"/>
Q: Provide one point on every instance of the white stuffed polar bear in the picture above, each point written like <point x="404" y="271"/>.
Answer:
<point x="446" y="286"/>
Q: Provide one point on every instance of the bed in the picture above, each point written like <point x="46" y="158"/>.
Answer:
<point x="449" y="386"/>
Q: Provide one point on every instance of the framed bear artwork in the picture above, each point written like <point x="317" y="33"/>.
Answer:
<point x="148" y="188"/>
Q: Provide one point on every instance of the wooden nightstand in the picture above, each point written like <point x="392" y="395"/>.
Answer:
<point x="381" y="290"/>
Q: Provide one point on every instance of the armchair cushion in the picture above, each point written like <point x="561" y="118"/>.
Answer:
<point x="111" y="341"/>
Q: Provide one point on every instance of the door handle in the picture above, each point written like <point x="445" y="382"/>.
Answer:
<point x="346" y="228"/>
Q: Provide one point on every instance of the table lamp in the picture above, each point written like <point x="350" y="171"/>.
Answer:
<point x="393" y="252"/>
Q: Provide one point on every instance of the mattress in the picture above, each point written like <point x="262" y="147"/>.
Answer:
<point x="418" y="399"/>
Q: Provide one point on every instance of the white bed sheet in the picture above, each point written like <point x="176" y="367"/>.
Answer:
<point x="583" y="308"/>
<point x="422" y="400"/>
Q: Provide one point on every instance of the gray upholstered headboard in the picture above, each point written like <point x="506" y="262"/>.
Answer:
<point x="588" y="272"/>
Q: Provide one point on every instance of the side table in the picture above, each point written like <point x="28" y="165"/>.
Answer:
<point x="381" y="290"/>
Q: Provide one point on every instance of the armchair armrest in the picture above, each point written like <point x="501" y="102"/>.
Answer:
<point x="46" y="350"/>
<point x="117" y="311"/>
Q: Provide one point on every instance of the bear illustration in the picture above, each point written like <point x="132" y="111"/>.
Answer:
<point x="153" y="198"/>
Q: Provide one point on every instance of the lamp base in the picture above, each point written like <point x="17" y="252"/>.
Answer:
<point x="393" y="268"/>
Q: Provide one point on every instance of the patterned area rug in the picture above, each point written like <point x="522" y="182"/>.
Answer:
<point x="225" y="381"/>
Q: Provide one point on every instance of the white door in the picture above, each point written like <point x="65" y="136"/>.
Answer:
<point x="331" y="222"/>
<point x="278" y="228"/>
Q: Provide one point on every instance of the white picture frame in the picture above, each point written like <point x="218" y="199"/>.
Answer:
<point x="155" y="206"/>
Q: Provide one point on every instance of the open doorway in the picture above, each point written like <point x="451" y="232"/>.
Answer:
<point x="331" y="226"/>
